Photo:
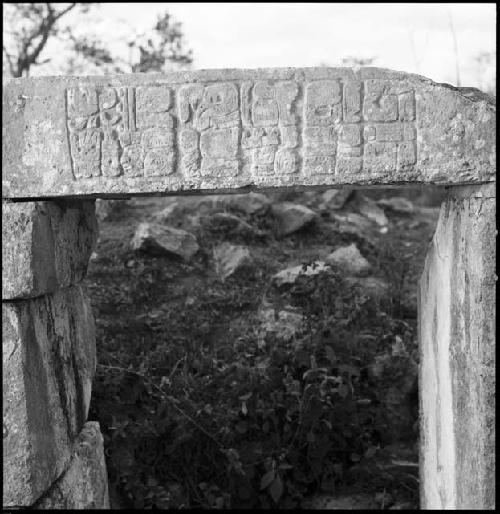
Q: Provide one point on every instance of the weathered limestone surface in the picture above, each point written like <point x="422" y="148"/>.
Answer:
<point x="228" y="129"/>
<point x="48" y="366"/>
<point x="45" y="246"/>
<point x="84" y="484"/>
<point x="457" y="344"/>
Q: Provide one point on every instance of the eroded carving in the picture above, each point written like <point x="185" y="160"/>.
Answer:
<point x="121" y="131"/>
<point x="223" y="129"/>
<point x="359" y="125"/>
<point x="270" y="132"/>
<point x="209" y="115"/>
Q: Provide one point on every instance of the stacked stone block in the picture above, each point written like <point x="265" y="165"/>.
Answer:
<point x="49" y="354"/>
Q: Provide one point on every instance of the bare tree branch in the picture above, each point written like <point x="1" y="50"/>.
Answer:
<point x="64" y="11"/>
<point x="30" y="49"/>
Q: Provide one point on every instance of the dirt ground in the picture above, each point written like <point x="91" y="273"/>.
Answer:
<point x="195" y="385"/>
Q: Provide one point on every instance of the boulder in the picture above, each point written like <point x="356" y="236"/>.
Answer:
<point x="84" y="484"/>
<point x="291" y="217"/>
<point x="349" y="259"/>
<point x="156" y="239"/>
<point x="230" y="258"/>
<point x="290" y="275"/>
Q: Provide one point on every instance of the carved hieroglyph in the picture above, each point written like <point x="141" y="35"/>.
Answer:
<point x="236" y="128"/>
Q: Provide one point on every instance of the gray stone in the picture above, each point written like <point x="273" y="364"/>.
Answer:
<point x="367" y="207"/>
<point x="457" y="355"/>
<point x="397" y="204"/>
<point x="164" y="240"/>
<point x="349" y="259"/>
<point x="290" y="275"/>
<point x="45" y="246"/>
<point x="48" y="367"/>
<point x="335" y="199"/>
<point x="84" y="484"/>
<point x="214" y="130"/>
<point x="291" y="217"/>
<point x="230" y="258"/>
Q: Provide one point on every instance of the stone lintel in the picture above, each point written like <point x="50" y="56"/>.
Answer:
<point x="215" y="130"/>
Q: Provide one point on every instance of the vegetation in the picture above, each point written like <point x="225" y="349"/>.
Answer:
<point x="31" y="27"/>
<point x="202" y="406"/>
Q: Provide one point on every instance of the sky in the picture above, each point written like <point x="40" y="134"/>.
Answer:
<point x="415" y="38"/>
<point x="408" y="37"/>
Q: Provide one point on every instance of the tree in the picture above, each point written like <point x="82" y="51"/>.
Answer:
<point x="31" y="27"/>
<point x="164" y="45"/>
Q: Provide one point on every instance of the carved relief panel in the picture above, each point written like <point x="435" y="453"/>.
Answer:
<point x="209" y="132"/>
<point x="121" y="131"/>
<point x="226" y="129"/>
<point x="358" y="126"/>
<point x="269" y="133"/>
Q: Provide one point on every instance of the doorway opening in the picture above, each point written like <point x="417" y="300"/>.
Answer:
<point x="260" y="350"/>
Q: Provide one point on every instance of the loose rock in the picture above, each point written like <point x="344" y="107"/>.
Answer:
<point x="350" y="259"/>
<point x="230" y="258"/>
<point x="292" y="217"/>
<point x="164" y="240"/>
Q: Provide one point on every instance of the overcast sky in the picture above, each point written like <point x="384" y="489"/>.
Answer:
<point x="415" y="38"/>
<point x="409" y="37"/>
